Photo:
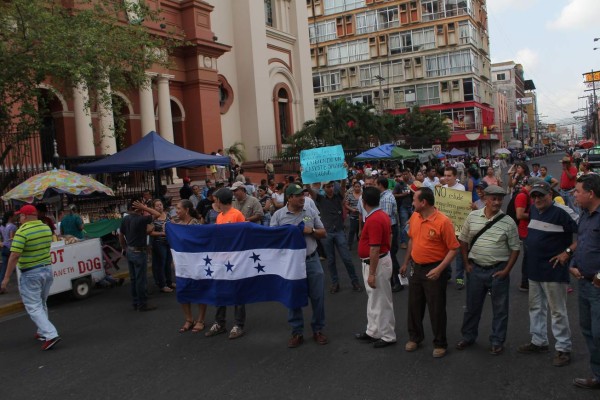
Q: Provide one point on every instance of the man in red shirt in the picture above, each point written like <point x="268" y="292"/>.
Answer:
<point x="522" y="207"/>
<point x="374" y="251"/>
<point x="567" y="183"/>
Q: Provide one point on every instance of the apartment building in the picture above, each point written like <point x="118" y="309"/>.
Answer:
<point x="399" y="54"/>
<point x="508" y="79"/>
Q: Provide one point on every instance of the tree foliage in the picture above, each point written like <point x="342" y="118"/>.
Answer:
<point x="423" y="128"/>
<point x="338" y="122"/>
<point x="69" y="43"/>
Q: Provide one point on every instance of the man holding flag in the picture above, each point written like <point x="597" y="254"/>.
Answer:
<point x="294" y="213"/>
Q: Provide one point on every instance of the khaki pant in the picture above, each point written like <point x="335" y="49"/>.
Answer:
<point x="380" y="307"/>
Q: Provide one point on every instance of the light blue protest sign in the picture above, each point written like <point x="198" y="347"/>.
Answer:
<point x="323" y="164"/>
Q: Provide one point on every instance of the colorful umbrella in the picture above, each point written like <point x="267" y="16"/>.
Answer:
<point x="586" y="144"/>
<point x="56" y="182"/>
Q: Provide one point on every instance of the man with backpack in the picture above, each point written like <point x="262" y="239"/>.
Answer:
<point x="522" y="207"/>
<point x="489" y="247"/>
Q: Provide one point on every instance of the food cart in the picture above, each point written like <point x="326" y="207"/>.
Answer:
<point x="76" y="267"/>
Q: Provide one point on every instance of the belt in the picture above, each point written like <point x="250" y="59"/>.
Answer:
<point x="487" y="267"/>
<point x="34" y="267"/>
<point x="311" y="254"/>
<point x="429" y="265"/>
<point x="136" y="249"/>
<point x="589" y="278"/>
<point x="368" y="260"/>
<point x="571" y="188"/>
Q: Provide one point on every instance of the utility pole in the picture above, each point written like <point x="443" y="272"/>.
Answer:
<point x="380" y="79"/>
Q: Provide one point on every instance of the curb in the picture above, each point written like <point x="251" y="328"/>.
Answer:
<point x="17" y="306"/>
<point x="11" y="308"/>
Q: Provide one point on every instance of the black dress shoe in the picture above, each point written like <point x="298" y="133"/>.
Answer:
<point x="586" y="383"/>
<point x="382" y="343"/>
<point x="496" y="350"/>
<point x="397" y="288"/>
<point x="463" y="344"/>
<point x="363" y="337"/>
<point x="146" y="307"/>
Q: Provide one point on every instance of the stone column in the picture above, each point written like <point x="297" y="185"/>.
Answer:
<point x="165" y="119"/>
<point x="108" y="140"/>
<point x="148" y="120"/>
<point x="83" y="122"/>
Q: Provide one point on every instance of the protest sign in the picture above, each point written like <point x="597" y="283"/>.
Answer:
<point x="456" y="204"/>
<point x="323" y="164"/>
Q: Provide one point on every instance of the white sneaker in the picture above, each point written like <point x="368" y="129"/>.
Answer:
<point x="236" y="332"/>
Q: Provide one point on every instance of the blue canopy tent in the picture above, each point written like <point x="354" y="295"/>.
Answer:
<point x="456" y="153"/>
<point x="386" y="152"/>
<point x="152" y="153"/>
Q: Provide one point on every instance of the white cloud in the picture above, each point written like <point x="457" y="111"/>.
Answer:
<point x="578" y="14"/>
<point x="498" y="6"/>
<point x="528" y="58"/>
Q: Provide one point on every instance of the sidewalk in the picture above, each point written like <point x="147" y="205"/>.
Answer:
<point x="10" y="302"/>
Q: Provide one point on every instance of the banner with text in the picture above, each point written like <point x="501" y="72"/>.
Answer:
<point x="456" y="204"/>
<point x="323" y="164"/>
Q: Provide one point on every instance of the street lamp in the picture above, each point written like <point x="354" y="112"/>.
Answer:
<point x="380" y="79"/>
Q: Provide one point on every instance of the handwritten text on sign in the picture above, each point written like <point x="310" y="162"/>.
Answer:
<point x="323" y="164"/>
<point x="456" y="204"/>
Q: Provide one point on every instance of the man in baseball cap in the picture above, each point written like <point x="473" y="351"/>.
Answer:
<point x="30" y="252"/>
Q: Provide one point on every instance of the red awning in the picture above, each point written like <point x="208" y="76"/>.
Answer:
<point x="471" y="137"/>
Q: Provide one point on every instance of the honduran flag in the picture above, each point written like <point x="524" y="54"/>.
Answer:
<point x="239" y="263"/>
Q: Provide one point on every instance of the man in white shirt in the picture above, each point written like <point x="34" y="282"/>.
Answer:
<point x="431" y="180"/>
<point x="450" y="175"/>
<point x="451" y="178"/>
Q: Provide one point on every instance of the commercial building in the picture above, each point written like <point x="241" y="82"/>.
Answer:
<point x="399" y="54"/>
<point x="521" y="103"/>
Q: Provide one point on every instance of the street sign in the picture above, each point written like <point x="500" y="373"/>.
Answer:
<point x="591" y="78"/>
<point x="436" y="149"/>
<point x="524" y="101"/>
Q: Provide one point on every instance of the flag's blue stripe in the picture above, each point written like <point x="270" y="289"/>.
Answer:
<point x="233" y="237"/>
<point x="291" y="293"/>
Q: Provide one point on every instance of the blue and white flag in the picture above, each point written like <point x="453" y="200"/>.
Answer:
<point x="240" y="263"/>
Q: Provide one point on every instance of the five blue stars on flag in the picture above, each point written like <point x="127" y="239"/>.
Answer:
<point x="229" y="266"/>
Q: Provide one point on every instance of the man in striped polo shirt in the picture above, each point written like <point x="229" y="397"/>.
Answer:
<point x="30" y="252"/>
<point x="488" y="261"/>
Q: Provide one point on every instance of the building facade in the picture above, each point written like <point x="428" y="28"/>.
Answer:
<point x="245" y="77"/>
<point x="267" y="72"/>
<point x="507" y="78"/>
<point x="400" y="54"/>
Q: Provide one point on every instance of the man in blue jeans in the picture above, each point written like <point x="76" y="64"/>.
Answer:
<point x="30" y="252"/>
<point x="295" y="213"/>
<point x="133" y="238"/>
<point x="550" y="245"/>
<point x="585" y="268"/>
<point x="488" y="261"/>
<point x="331" y="206"/>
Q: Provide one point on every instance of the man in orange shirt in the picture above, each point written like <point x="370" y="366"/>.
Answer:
<point x="224" y="202"/>
<point x="432" y="247"/>
<point x="228" y="215"/>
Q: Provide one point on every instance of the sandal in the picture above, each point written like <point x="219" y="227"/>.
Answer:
<point x="187" y="326"/>
<point x="198" y="327"/>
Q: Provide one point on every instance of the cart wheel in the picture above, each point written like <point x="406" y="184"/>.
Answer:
<point x="82" y="288"/>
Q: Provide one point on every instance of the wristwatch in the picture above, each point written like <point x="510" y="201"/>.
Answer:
<point x="569" y="251"/>
<point x="313" y="230"/>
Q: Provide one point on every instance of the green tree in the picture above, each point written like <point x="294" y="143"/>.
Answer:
<point x="70" y="43"/>
<point x="422" y="128"/>
<point x="354" y="125"/>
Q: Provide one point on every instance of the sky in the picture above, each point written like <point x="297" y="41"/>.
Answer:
<point x="554" y="41"/>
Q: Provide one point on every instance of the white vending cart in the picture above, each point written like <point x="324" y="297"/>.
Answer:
<point x="76" y="267"/>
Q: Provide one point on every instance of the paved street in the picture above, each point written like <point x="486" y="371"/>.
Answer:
<point x="110" y="351"/>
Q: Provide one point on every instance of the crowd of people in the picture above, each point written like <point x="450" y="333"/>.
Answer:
<point x="554" y="222"/>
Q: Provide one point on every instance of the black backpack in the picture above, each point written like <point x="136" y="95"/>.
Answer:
<point x="511" y="210"/>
